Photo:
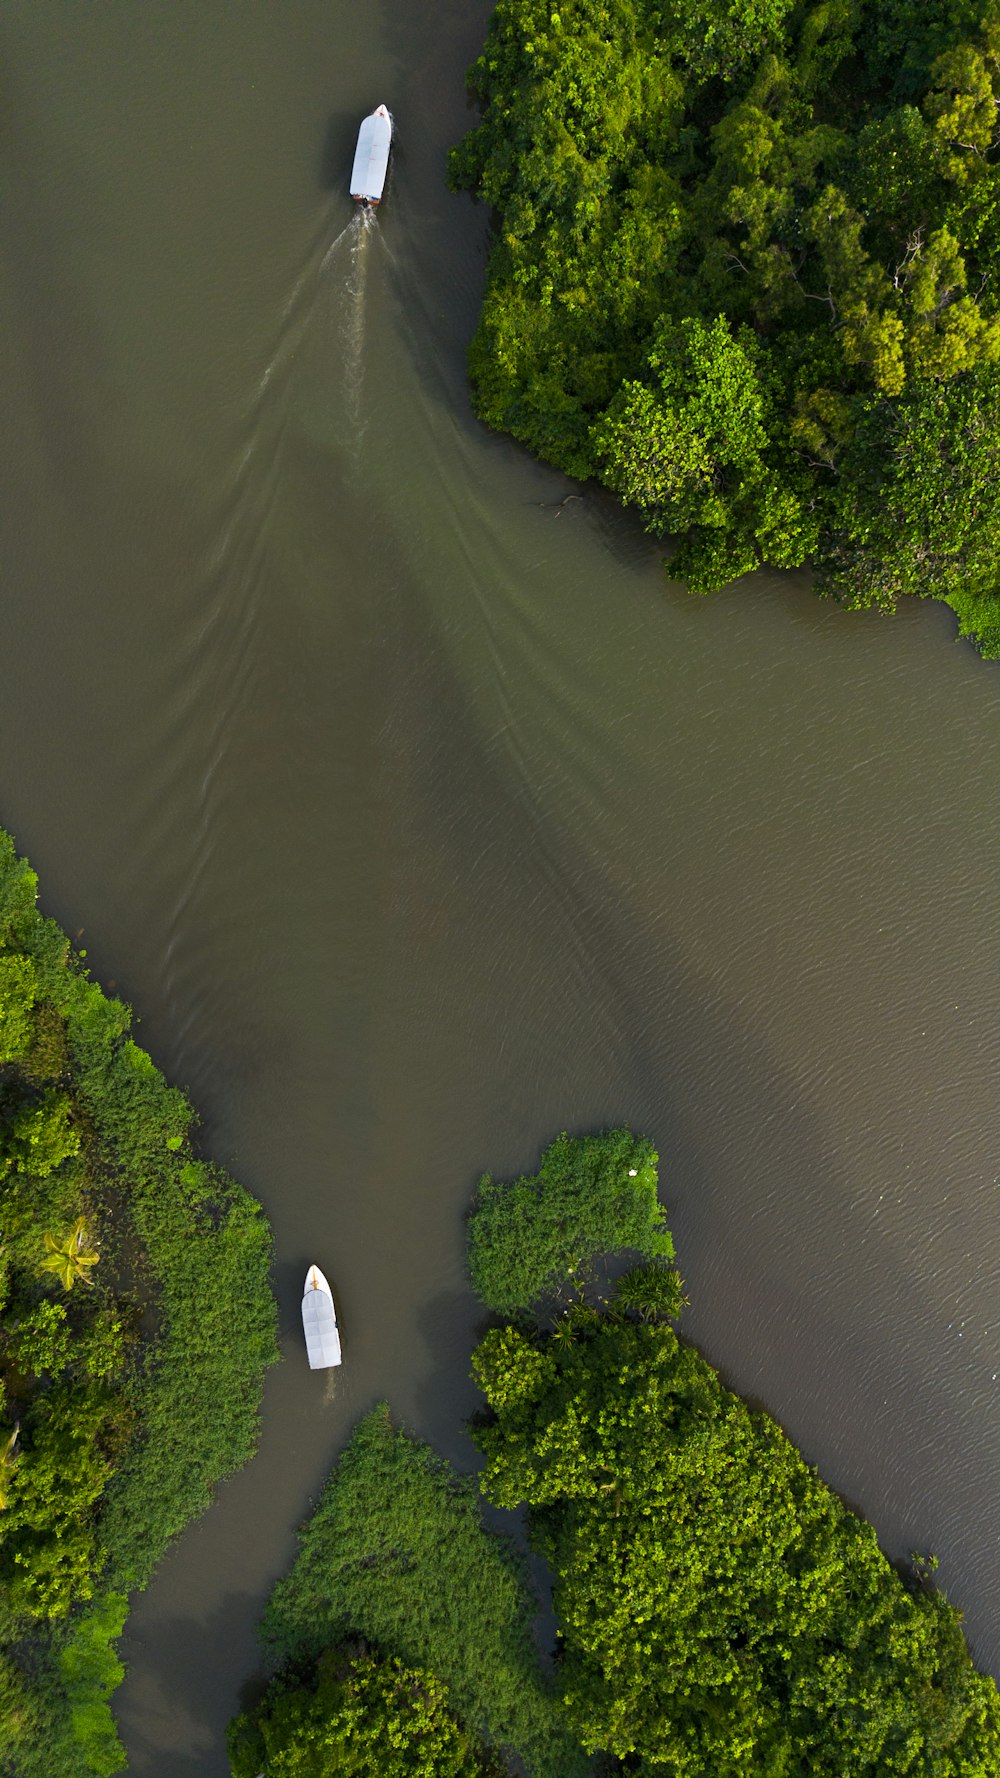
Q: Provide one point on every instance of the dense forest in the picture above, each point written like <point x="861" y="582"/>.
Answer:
<point x="718" y="1610"/>
<point x="746" y="272"/>
<point x="128" y="1386"/>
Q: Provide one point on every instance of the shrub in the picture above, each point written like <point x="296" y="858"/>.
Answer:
<point x="396" y="1552"/>
<point x="591" y="1195"/>
<point x="120" y="1436"/>
<point x="653" y="1292"/>
<point x="362" y="1718"/>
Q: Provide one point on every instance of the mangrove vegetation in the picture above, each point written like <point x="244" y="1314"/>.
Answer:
<point x="136" y="1322"/>
<point x="593" y="1196"/>
<point x="359" y="1717"/>
<point x="396" y="1558"/>
<point x="718" y="1610"/>
<point x="745" y="273"/>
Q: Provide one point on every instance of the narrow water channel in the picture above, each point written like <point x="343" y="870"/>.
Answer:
<point x="420" y="818"/>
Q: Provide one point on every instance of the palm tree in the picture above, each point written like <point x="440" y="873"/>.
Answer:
<point x="8" y="1458"/>
<point x="71" y="1258"/>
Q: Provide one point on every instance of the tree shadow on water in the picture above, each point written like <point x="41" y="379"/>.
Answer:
<point x="174" y="1719"/>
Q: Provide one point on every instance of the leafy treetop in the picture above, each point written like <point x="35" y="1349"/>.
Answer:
<point x="720" y="1610"/>
<point x="747" y="272"/>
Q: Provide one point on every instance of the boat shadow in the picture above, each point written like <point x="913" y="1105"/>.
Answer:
<point x="337" y="150"/>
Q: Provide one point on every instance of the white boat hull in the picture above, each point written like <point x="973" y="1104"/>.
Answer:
<point x="371" y="157"/>
<point x="319" y="1322"/>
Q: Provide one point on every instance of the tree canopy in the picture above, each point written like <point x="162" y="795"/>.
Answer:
<point x="396" y="1553"/>
<point x="362" y="1718"/>
<point x="746" y="273"/>
<point x="720" y="1610"/>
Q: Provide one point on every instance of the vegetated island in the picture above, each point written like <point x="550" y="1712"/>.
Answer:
<point x="719" y="1610"/>
<point x="136" y="1322"/>
<point x="403" y="1621"/>
<point x="746" y="272"/>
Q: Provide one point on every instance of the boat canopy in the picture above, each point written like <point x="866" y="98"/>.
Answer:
<point x="371" y="157"/>
<point x="319" y="1322"/>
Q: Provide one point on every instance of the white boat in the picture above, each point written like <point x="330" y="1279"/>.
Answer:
<point x="371" y="157"/>
<point x="319" y="1322"/>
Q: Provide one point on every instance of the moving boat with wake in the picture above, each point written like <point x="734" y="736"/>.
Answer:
<point x="371" y="157"/>
<point x="319" y="1322"/>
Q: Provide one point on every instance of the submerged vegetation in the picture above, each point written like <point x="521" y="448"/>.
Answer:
<point x="128" y="1386"/>
<point x="746" y="274"/>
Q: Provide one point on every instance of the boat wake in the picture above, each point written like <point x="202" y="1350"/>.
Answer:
<point x="348" y="258"/>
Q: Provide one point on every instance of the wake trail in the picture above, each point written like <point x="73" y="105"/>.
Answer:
<point x="348" y="256"/>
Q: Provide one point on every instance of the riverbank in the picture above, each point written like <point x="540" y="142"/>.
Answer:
<point x="743" y="275"/>
<point x="718" y="1608"/>
<point x="136" y="1322"/>
<point x="406" y="855"/>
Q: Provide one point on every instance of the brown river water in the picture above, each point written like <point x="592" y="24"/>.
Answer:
<point x="420" y="819"/>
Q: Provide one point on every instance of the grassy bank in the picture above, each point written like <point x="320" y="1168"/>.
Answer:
<point x="396" y="1553"/>
<point x="136" y="1322"/>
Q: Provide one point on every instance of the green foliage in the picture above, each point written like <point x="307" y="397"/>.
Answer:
<point x="592" y="1195"/>
<point x="70" y="1256"/>
<point x="921" y="495"/>
<point x="17" y="999"/>
<point x="37" y="1136"/>
<point x="720" y="1610"/>
<point x="363" y="1718"/>
<point x="653" y="1292"/>
<point x="9" y="1457"/>
<point x="735" y="238"/>
<point x="397" y="1553"/>
<point x="694" y="454"/>
<point x="112" y="1441"/>
<point x="90" y="1671"/>
<point x="41" y="1342"/>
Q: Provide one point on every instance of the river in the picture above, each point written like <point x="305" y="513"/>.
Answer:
<point x="419" y="817"/>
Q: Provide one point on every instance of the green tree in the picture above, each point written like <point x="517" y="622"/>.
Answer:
<point x="363" y="1718"/>
<point x="90" y="1671"/>
<point x="48" y="1545"/>
<point x="41" y="1342"/>
<point x="788" y="215"/>
<point x="126" y="1419"/>
<point x="720" y="1610"/>
<point x="693" y="454"/>
<point x="918" y="502"/>
<point x="39" y="1136"/>
<point x="396" y="1552"/>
